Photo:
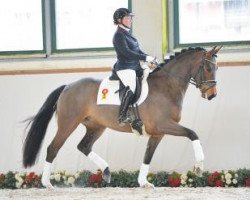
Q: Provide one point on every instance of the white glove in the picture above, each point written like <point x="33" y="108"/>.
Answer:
<point x="150" y="59"/>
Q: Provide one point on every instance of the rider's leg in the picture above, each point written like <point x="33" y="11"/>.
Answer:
<point x="128" y="78"/>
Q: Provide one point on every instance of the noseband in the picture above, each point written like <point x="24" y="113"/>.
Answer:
<point x="201" y="70"/>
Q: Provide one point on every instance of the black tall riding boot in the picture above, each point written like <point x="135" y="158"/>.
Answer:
<point x="126" y="101"/>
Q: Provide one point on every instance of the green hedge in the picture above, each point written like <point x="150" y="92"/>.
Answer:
<point x="237" y="178"/>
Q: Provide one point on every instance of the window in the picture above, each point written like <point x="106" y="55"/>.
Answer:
<point x="211" y="21"/>
<point x="21" y="25"/>
<point x="48" y="26"/>
<point x="85" y="24"/>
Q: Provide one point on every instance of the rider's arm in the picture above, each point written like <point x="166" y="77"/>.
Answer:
<point x="121" y="44"/>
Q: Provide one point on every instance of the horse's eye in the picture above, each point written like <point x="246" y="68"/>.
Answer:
<point x="209" y="67"/>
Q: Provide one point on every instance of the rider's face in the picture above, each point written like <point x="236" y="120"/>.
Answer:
<point x="127" y="21"/>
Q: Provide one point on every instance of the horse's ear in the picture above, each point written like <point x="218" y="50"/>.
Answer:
<point x="213" y="51"/>
<point x="217" y="50"/>
<point x="213" y="48"/>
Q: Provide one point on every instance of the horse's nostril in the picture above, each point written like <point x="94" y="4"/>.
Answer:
<point x="211" y="96"/>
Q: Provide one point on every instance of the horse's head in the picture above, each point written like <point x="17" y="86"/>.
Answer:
<point x="205" y="76"/>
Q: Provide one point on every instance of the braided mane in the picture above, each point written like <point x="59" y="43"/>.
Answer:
<point x="182" y="52"/>
<point x="177" y="54"/>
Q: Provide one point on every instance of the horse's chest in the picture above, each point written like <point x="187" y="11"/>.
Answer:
<point x="176" y="113"/>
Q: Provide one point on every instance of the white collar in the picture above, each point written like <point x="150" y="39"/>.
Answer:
<point x="123" y="27"/>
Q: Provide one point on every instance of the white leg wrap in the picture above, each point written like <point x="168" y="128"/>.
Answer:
<point x="98" y="160"/>
<point x="142" y="178"/>
<point x="198" y="152"/>
<point x="46" y="175"/>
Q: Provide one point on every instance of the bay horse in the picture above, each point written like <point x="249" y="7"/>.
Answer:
<point x="160" y="113"/>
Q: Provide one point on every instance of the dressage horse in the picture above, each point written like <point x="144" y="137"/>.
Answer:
<point x="160" y="113"/>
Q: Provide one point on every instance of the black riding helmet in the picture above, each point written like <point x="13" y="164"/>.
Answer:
<point x="120" y="13"/>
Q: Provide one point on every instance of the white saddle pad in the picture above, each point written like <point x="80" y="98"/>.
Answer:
<point x="107" y="96"/>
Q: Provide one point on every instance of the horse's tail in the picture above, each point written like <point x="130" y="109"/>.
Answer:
<point x="38" y="126"/>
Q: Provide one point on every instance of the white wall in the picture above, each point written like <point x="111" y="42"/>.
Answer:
<point x="147" y="26"/>
<point x="222" y="124"/>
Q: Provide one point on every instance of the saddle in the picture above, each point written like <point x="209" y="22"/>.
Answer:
<point x="133" y="111"/>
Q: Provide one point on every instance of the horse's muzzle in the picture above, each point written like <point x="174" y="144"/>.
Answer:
<point x="210" y="93"/>
<point x="211" y="97"/>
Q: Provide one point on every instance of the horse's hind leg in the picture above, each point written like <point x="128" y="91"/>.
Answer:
<point x="151" y="146"/>
<point x="85" y="146"/>
<point x="63" y="132"/>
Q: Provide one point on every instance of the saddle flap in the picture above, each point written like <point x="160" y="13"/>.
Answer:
<point x="138" y="90"/>
<point x="107" y="94"/>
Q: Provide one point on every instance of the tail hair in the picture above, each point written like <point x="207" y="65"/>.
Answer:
<point x="38" y="125"/>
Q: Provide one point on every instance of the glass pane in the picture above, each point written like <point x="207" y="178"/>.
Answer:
<point x="214" y="21"/>
<point x="85" y="24"/>
<point x="21" y="25"/>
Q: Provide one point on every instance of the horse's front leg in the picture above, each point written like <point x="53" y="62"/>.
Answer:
<point x="178" y="130"/>
<point x="151" y="146"/>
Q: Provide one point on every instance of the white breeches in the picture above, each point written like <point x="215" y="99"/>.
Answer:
<point x="128" y="78"/>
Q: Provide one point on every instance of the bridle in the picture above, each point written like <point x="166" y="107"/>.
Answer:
<point x="210" y="83"/>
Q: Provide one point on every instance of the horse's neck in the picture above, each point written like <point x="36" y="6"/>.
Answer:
<point x="170" y="86"/>
<point x="183" y="68"/>
<point x="176" y="75"/>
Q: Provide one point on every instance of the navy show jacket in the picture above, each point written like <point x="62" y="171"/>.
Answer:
<point x="127" y="50"/>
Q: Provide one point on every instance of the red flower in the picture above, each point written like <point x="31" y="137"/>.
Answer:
<point x="2" y="178"/>
<point x="174" y="181"/>
<point x="210" y="180"/>
<point x="219" y="183"/>
<point x="96" y="179"/>
<point x="216" y="174"/>
<point x="247" y="181"/>
<point x="32" y="179"/>
<point x="215" y="180"/>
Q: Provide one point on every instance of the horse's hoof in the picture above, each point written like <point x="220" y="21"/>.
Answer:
<point x="49" y="186"/>
<point x="106" y="175"/>
<point x="147" y="185"/>
<point x="198" y="168"/>
<point x="46" y="183"/>
<point x="197" y="171"/>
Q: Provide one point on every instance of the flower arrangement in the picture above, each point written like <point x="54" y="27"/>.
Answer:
<point x="238" y="178"/>
<point x="215" y="179"/>
<point x="95" y="180"/>
<point x="174" y="179"/>
<point x="28" y="180"/>
<point x="223" y="179"/>
<point x="64" y="178"/>
<point x="248" y="182"/>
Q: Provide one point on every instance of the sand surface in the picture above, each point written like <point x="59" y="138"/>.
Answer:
<point x="167" y="193"/>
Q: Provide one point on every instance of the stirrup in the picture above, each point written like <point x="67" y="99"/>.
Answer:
<point x="122" y="120"/>
<point x="137" y="125"/>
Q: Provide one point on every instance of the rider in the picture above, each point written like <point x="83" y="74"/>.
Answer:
<point x="129" y="56"/>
